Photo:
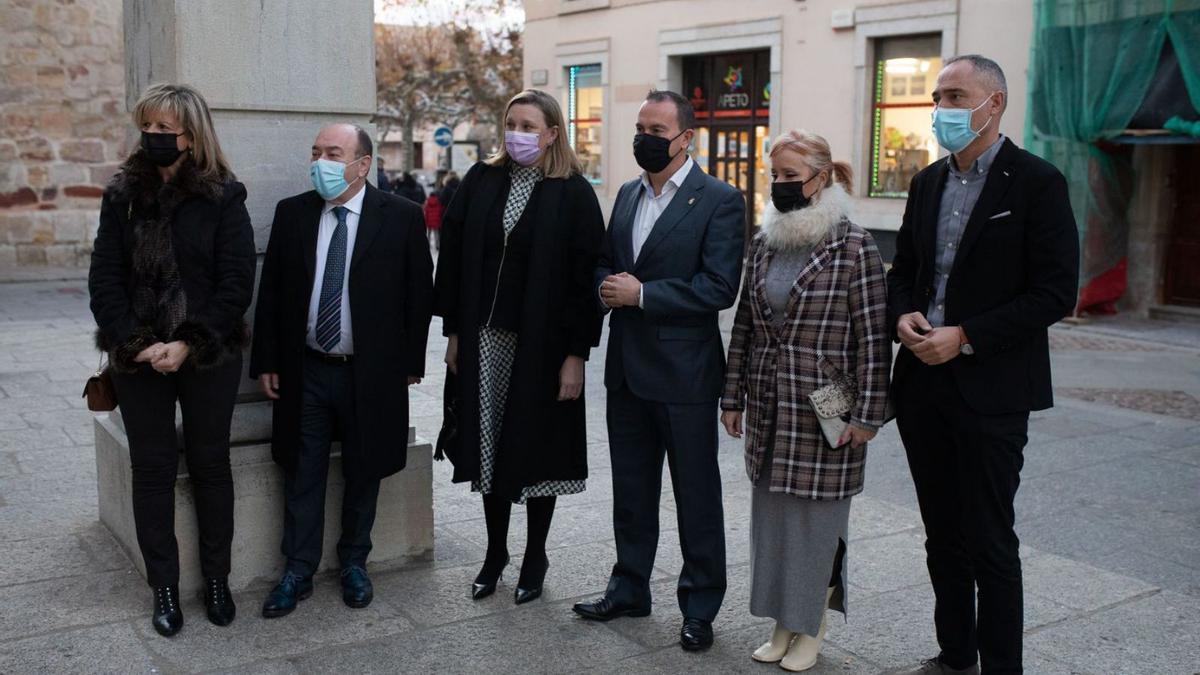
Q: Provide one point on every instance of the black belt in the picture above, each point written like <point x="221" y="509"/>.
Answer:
<point x="335" y="359"/>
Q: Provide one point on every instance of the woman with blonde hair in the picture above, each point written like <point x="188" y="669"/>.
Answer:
<point x="172" y="274"/>
<point x="520" y="239"/>
<point x="811" y="314"/>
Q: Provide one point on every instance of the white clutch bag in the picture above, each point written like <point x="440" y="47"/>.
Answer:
<point x="832" y="405"/>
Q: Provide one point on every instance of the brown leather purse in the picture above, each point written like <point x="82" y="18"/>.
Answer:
<point x="99" y="391"/>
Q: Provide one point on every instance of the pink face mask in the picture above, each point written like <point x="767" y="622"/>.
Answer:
<point x="523" y="147"/>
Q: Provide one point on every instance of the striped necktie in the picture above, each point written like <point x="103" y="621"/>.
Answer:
<point x="329" y="310"/>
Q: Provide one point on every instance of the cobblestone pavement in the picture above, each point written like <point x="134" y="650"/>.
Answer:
<point x="1108" y="514"/>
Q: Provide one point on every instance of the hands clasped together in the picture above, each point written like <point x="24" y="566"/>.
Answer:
<point x="934" y="346"/>
<point x="164" y="357"/>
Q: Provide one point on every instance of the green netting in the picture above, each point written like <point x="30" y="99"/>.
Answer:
<point x="1091" y="64"/>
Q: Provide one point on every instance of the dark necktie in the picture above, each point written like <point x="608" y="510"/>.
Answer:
<point x="329" y="309"/>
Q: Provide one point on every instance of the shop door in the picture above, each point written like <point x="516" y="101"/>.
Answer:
<point x="1183" y="270"/>
<point x="731" y="159"/>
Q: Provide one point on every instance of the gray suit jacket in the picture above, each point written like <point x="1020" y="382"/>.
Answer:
<point x="690" y="267"/>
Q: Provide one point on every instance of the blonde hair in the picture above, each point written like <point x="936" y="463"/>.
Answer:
<point x="188" y="106"/>
<point x="814" y="150"/>
<point x="558" y="160"/>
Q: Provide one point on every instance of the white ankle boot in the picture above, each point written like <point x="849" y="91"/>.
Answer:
<point x="802" y="655"/>
<point x="774" y="649"/>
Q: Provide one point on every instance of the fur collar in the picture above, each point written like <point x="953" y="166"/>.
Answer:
<point x="808" y="226"/>
<point x="138" y="182"/>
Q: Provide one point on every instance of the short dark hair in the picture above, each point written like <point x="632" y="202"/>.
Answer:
<point x="989" y="69"/>
<point x="684" y="112"/>
<point x="365" y="146"/>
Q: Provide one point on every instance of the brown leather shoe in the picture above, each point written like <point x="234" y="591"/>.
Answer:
<point x="935" y="666"/>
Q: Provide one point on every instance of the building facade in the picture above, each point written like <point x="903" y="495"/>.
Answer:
<point x="63" y="127"/>
<point x="859" y="74"/>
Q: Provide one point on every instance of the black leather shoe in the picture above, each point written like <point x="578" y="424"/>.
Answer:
<point x="696" y="634"/>
<point x="168" y="616"/>
<point x="605" y="609"/>
<point x="219" y="601"/>
<point x="529" y="586"/>
<point x="282" y="599"/>
<point x="485" y="581"/>
<point x="357" y="590"/>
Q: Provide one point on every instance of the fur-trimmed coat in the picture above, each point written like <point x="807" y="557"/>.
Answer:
<point x="171" y="261"/>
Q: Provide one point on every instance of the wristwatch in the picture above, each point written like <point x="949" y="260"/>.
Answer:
<point x="964" y="347"/>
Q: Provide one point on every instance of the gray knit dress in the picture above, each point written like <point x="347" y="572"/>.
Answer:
<point x="793" y="541"/>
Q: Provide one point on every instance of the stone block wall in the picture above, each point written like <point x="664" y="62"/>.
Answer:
<point x="63" y="126"/>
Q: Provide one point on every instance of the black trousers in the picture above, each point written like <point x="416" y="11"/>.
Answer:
<point x="966" y="468"/>
<point x="327" y="413"/>
<point x="640" y="432"/>
<point x="147" y="401"/>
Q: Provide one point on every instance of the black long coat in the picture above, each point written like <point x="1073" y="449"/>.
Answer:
<point x="541" y="438"/>
<point x="213" y="247"/>
<point x="390" y="302"/>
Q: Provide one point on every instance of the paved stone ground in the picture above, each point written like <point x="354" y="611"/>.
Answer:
<point x="1109" y="517"/>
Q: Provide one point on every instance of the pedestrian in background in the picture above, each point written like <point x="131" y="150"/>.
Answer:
<point x="514" y="292"/>
<point x="433" y="219"/>
<point x="172" y="275"/>
<point x="450" y="184"/>
<point x="408" y="187"/>
<point x="381" y="177"/>
<point x="812" y="314"/>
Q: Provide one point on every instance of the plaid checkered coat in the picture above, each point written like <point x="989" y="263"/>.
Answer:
<point x="835" y="323"/>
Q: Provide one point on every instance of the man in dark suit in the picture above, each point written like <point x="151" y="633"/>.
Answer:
<point x="671" y="260"/>
<point x="987" y="258"/>
<point x="339" y="332"/>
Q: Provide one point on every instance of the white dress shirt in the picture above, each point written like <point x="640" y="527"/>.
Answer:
<point x="650" y="207"/>
<point x="324" y="236"/>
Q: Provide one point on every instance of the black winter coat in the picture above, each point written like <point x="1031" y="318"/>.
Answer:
<point x="541" y="438"/>
<point x="391" y="290"/>
<point x="213" y="254"/>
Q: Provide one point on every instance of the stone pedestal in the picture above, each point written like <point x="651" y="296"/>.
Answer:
<point x="403" y="529"/>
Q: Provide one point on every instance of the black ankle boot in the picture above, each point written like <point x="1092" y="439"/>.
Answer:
<point x="533" y="575"/>
<point x="219" y="601"/>
<point x="168" y="615"/>
<point x="485" y="582"/>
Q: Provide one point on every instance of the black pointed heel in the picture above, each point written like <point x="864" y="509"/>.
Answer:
<point x="527" y="593"/>
<point x="485" y="586"/>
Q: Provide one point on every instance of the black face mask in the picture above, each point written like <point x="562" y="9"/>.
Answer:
<point x="653" y="153"/>
<point x="790" y="196"/>
<point x="161" y="149"/>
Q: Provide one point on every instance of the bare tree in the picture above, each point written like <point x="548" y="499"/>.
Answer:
<point x="457" y="61"/>
<point x="417" y="82"/>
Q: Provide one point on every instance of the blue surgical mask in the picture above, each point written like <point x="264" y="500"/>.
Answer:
<point x="952" y="126"/>
<point x="329" y="177"/>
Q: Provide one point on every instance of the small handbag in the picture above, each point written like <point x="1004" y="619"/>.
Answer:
<point x="832" y="404"/>
<point x="447" y="440"/>
<point x="99" y="391"/>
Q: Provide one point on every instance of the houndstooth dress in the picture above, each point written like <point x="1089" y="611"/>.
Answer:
<point x="497" y="351"/>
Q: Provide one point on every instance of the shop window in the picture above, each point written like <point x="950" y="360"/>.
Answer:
<point x="585" y="109"/>
<point x="902" y="141"/>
